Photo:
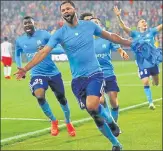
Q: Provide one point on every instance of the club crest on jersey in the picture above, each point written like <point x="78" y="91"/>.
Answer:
<point x="76" y="34"/>
<point x="147" y="35"/>
<point x="104" y="46"/>
<point x="39" y="42"/>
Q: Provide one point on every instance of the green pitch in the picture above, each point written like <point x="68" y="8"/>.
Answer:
<point x="141" y="127"/>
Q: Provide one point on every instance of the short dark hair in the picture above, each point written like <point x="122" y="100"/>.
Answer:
<point x="5" y="39"/>
<point x="68" y="1"/>
<point x="82" y="16"/>
<point x="27" y="17"/>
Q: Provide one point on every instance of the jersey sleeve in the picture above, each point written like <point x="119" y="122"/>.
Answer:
<point x="154" y="31"/>
<point x="133" y="33"/>
<point x="97" y="29"/>
<point x="57" y="50"/>
<point x="18" y="51"/>
<point x="114" y="46"/>
<point x="55" y="39"/>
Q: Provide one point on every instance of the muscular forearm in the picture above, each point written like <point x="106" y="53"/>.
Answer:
<point x="123" y="26"/>
<point x="121" y="21"/>
<point x="119" y="40"/>
<point x="120" y="50"/>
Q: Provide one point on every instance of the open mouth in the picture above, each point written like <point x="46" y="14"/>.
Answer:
<point x="145" y="26"/>
<point x="28" y="29"/>
<point x="67" y="16"/>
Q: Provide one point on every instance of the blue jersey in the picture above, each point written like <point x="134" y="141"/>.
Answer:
<point x="148" y="36"/>
<point x="103" y="50"/>
<point x="30" y="45"/>
<point x="78" y="43"/>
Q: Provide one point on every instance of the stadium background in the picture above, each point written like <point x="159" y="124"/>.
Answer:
<point x="47" y="16"/>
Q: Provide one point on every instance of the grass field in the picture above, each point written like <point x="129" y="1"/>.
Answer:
<point x="141" y="127"/>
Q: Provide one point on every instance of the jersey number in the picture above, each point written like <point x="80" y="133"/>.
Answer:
<point x="145" y="71"/>
<point x="38" y="81"/>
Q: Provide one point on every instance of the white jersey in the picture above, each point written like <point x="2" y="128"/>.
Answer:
<point x="6" y="49"/>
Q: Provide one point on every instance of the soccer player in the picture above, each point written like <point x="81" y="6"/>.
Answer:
<point x="76" y="37"/>
<point x="103" y="50"/>
<point x="44" y="74"/>
<point x="6" y="57"/>
<point x="86" y="16"/>
<point x="147" y="69"/>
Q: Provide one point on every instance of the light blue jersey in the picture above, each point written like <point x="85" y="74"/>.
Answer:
<point x="147" y="36"/>
<point x="29" y="45"/>
<point x="78" y="43"/>
<point x="103" y="50"/>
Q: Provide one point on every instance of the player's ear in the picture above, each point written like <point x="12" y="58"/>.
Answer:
<point x="138" y="26"/>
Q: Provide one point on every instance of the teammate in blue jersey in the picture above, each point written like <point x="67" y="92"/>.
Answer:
<point x="103" y="50"/>
<point x="44" y="74"/>
<point x="147" y="68"/>
<point x="76" y="37"/>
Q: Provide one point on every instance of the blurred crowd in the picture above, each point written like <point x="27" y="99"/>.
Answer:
<point x="47" y="15"/>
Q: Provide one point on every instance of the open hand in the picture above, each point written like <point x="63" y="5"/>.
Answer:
<point x="20" y="73"/>
<point x="124" y="55"/>
<point x="117" y="11"/>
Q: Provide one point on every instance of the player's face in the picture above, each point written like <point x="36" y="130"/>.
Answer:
<point x="96" y="21"/>
<point x="68" y="12"/>
<point x="28" y="26"/>
<point x="142" y="24"/>
<point x="87" y="17"/>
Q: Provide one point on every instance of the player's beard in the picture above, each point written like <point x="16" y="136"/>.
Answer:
<point x="70" y="18"/>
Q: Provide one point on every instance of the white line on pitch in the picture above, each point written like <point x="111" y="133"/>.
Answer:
<point x="25" y="119"/>
<point x="63" y="125"/>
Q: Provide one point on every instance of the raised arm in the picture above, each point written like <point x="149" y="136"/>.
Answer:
<point x="159" y="27"/>
<point x="115" y="38"/>
<point x="121" y="23"/>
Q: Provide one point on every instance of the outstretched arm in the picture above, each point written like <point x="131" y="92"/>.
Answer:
<point x="115" y="38"/>
<point x="38" y="58"/>
<point x="121" y="23"/>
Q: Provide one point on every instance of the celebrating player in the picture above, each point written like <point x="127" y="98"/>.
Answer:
<point x="44" y="74"/>
<point x="6" y="57"/>
<point x="76" y="37"/>
<point x="147" y="68"/>
<point x="103" y="52"/>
